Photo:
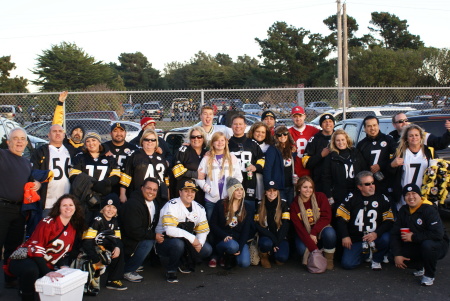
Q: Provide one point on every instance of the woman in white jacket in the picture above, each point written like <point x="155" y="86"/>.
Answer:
<point x="216" y="166"/>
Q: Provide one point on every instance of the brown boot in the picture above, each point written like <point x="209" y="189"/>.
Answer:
<point x="330" y="258"/>
<point x="265" y="263"/>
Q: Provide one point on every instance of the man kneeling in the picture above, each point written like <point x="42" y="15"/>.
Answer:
<point x="185" y="228"/>
<point x="418" y="235"/>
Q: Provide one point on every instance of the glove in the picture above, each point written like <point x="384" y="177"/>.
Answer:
<point x="103" y="187"/>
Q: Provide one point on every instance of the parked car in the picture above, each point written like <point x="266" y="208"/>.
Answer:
<point x="6" y="126"/>
<point x="361" y="112"/>
<point x="152" y="109"/>
<point x="12" y="112"/>
<point x="252" y="108"/>
<point x="110" y="115"/>
<point x="316" y="108"/>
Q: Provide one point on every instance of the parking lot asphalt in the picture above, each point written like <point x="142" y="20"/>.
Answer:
<point x="290" y="281"/>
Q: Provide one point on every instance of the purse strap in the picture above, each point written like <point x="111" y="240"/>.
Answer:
<point x="57" y="236"/>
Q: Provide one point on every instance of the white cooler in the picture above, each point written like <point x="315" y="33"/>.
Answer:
<point x="68" y="288"/>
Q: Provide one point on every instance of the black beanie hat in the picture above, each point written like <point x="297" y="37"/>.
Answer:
<point x="326" y="116"/>
<point x="411" y="187"/>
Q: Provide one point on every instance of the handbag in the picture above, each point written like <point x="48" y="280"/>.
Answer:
<point x="19" y="253"/>
<point x="254" y="253"/>
<point x="317" y="263"/>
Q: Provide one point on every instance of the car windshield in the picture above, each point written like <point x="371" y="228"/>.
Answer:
<point x="150" y="106"/>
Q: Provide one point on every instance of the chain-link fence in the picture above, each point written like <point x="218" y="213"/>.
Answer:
<point x="173" y="109"/>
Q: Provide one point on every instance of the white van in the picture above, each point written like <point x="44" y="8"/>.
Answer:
<point x="362" y="112"/>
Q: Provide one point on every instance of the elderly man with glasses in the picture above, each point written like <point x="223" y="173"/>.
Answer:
<point x="364" y="221"/>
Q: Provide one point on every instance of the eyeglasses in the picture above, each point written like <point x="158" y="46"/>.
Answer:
<point x="282" y="134"/>
<point x="401" y="121"/>
<point x="197" y="137"/>
<point x="368" y="184"/>
<point x="149" y="139"/>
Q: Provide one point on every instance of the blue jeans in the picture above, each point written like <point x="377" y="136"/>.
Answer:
<point x="209" y="208"/>
<point x="172" y="249"/>
<point x="265" y="245"/>
<point x="134" y="262"/>
<point x="252" y="204"/>
<point x="231" y="247"/>
<point x="287" y="194"/>
<point x="351" y="258"/>
<point x="327" y="241"/>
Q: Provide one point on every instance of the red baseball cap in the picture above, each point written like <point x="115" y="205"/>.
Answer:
<point x="146" y="121"/>
<point x="297" y="110"/>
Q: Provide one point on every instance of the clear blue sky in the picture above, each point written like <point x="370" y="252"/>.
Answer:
<point x="175" y="30"/>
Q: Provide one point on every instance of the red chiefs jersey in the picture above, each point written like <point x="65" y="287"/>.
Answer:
<point x="301" y="139"/>
<point x="39" y="244"/>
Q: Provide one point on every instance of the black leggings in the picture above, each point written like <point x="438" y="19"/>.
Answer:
<point x="27" y="271"/>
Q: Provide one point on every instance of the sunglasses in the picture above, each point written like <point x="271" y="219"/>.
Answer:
<point x="401" y="121"/>
<point x="197" y="137"/>
<point x="148" y="140"/>
<point x="282" y="134"/>
<point x="368" y="184"/>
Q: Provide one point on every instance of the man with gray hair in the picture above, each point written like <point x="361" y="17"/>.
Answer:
<point x="53" y="156"/>
<point x="15" y="172"/>
<point x="363" y="221"/>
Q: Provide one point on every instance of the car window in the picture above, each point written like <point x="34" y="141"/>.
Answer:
<point x="435" y="127"/>
<point x="174" y="141"/>
<point x="359" y="114"/>
<point x="130" y="128"/>
<point x="352" y="131"/>
<point x="150" y="106"/>
<point x="6" y="109"/>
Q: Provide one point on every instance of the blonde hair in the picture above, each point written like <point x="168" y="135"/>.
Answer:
<point x="212" y="156"/>
<point x="199" y="129"/>
<point x="228" y="209"/>
<point x="314" y="205"/>
<point x="333" y="146"/>
<point x="146" y="133"/>
<point x="262" y="212"/>
<point x="403" y="143"/>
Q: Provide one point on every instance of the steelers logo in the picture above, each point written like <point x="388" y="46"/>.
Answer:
<point x="104" y="161"/>
<point x="127" y="151"/>
<point x="374" y="204"/>
<point x="271" y="183"/>
<point x="419" y="221"/>
<point x="409" y="188"/>
<point x="434" y="190"/>
<point x="109" y="202"/>
<point x="383" y="143"/>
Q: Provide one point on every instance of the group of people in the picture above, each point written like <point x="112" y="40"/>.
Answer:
<point x="110" y="203"/>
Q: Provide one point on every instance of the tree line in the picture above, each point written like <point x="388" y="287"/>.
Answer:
<point x="388" y="56"/>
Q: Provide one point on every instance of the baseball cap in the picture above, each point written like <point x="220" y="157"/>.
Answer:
<point x="268" y="113"/>
<point x="146" y="121"/>
<point x="297" y="110"/>
<point x="117" y="125"/>
<point x="189" y="184"/>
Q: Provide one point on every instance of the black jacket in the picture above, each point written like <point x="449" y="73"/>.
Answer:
<point x="135" y="219"/>
<point x="313" y="158"/>
<point x="425" y="224"/>
<point x="339" y="179"/>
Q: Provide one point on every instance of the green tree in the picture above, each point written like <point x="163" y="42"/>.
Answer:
<point x="137" y="73"/>
<point x="8" y="84"/>
<point x="394" y="32"/>
<point x="352" y="28"/>
<point x="436" y="66"/>
<point x="292" y="53"/>
<point x="67" y="67"/>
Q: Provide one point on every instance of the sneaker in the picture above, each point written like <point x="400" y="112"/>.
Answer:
<point x="140" y="269"/>
<point x="385" y="259"/>
<point x="427" y="281"/>
<point x="133" y="277"/>
<point x="171" y="277"/>
<point x="419" y="273"/>
<point x="116" y="285"/>
<point x="212" y="263"/>
<point x="184" y="269"/>
<point x="376" y="266"/>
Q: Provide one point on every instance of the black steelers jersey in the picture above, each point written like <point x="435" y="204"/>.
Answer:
<point x="120" y="153"/>
<point x="99" y="168"/>
<point x="140" y="166"/>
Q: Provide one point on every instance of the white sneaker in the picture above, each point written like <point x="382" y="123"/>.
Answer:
<point x="419" y="273"/>
<point x="385" y="259"/>
<point x="133" y="277"/>
<point x="376" y="266"/>
<point x="427" y="281"/>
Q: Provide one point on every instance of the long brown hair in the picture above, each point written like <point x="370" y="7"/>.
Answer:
<point x="262" y="212"/>
<point x="286" y="149"/>
<point x="313" y="200"/>
<point x="228" y="209"/>
<point x="77" y="219"/>
<point x="212" y="156"/>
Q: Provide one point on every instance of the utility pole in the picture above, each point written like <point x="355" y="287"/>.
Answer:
<point x="339" y="54"/>
<point x="345" y="56"/>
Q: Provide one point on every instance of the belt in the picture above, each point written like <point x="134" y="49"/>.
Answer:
<point x="5" y="201"/>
